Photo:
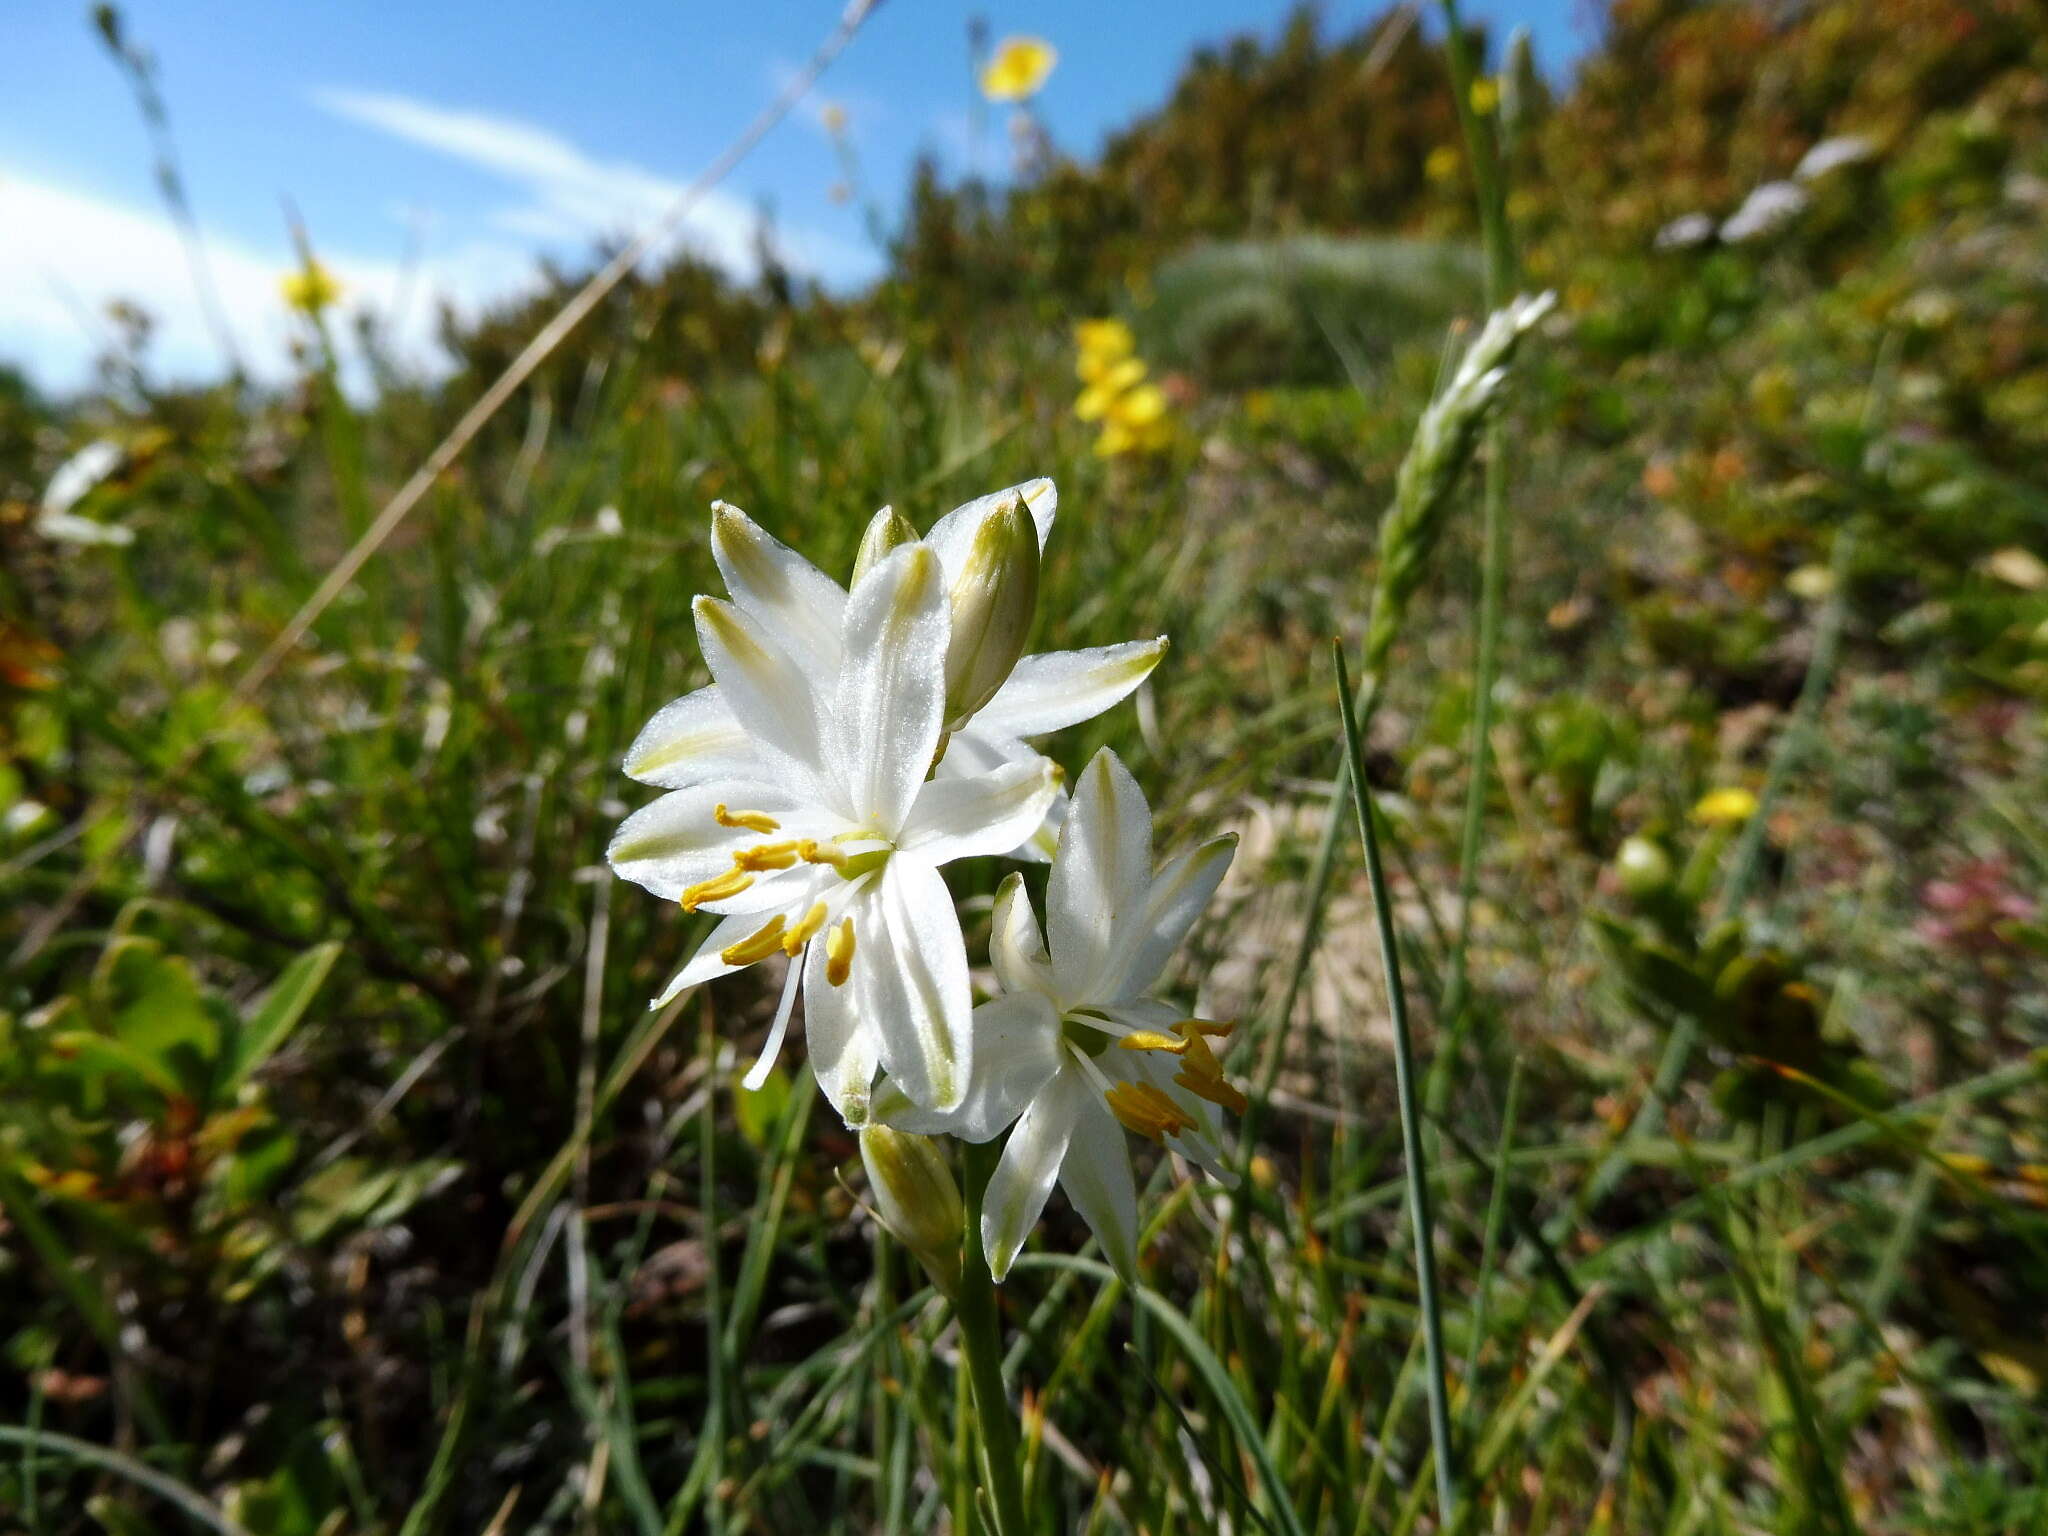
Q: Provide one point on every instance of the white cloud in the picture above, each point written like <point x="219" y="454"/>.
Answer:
<point x="573" y="197"/>
<point x="69" y="254"/>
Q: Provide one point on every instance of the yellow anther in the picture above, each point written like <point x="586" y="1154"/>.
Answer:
<point x="839" y="952"/>
<point x="793" y="942"/>
<point x="1152" y="1040"/>
<point x="753" y="821"/>
<point x="758" y="945"/>
<point x="767" y="856"/>
<point x="1147" y="1110"/>
<point x="1201" y="1073"/>
<point x="1213" y="1087"/>
<point x="813" y="852"/>
<point x="717" y="888"/>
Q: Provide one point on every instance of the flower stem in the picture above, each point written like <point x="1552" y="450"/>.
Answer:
<point x="981" y="1342"/>
<point x="1411" y="1110"/>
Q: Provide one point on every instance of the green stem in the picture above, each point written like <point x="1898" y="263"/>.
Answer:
<point x="1489" y="186"/>
<point x="1411" y="1111"/>
<point x="981" y="1341"/>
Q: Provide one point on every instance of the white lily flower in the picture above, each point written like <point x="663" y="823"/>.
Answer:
<point x="697" y="737"/>
<point x="800" y="811"/>
<point x="1075" y="1047"/>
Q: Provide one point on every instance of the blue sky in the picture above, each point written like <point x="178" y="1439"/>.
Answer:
<point x="436" y="151"/>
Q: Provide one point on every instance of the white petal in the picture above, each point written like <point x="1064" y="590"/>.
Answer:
<point x="1095" y="898"/>
<point x="1018" y="1189"/>
<point x="952" y="534"/>
<point x="1096" y="1174"/>
<point x="774" y="699"/>
<point x="842" y="1047"/>
<point x="970" y="751"/>
<point x="676" y="841"/>
<point x="961" y="818"/>
<point x="794" y="600"/>
<point x="1014" y="946"/>
<point x="705" y="965"/>
<point x="689" y="740"/>
<point x="1173" y="902"/>
<point x="771" y="1048"/>
<point x="910" y="964"/>
<point x="1016" y="1052"/>
<point x="1060" y="688"/>
<point x="892" y="686"/>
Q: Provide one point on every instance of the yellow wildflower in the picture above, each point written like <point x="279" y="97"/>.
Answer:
<point x="1095" y="401"/>
<point x="1725" y="807"/>
<point x="1442" y="164"/>
<point x="1485" y="95"/>
<point x="1018" y="69"/>
<point x="311" y="289"/>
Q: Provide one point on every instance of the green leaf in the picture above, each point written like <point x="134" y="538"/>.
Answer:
<point x="264" y="1027"/>
<point x="155" y="1007"/>
<point x="95" y="1055"/>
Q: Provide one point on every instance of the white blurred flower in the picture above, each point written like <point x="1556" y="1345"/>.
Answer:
<point x="80" y="473"/>
<point x="1767" y="209"/>
<point x="1074" y="1047"/>
<point x="1685" y="231"/>
<point x="1832" y="154"/>
<point x="74" y="478"/>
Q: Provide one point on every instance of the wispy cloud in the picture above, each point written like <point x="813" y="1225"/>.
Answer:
<point x="68" y="254"/>
<point x="573" y="197"/>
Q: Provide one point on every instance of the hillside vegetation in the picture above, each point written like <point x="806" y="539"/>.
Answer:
<point x="349" y="1184"/>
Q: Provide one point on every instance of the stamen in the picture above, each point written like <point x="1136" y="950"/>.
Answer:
<point x="839" y="952"/>
<point x="794" y="941"/>
<point x="1147" y="1110"/>
<point x="1201" y="1073"/>
<point x="767" y="856"/>
<point x="813" y="852"/>
<point x="758" y="945"/>
<point x="717" y="888"/>
<point x="1214" y="1087"/>
<point x="1152" y="1040"/>
<point x="753" y="821"/>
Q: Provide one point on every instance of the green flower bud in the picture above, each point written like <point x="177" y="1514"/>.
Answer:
<point x="919" y="1202"/>
<point x="995" y="595"/>
<point x="1644" y="868"/>
<point x="888" y="529"/>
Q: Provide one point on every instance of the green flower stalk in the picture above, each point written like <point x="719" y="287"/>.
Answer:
<point x="1444" y="440"/>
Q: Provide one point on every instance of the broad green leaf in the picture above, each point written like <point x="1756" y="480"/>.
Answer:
<point x="265" y="1026"/>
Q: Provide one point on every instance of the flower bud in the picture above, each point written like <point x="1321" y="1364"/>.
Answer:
<point x="888" y="529"/>
<point x="994" y="595"/>
<point x="1643" y="867"/>
<point x="918" y="1199"/>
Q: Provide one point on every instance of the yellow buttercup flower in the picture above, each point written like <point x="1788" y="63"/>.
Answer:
<point x="311" y="289"/>
<point x="1018" y="69"/>
<point x="1095" y="401"/>
<point x="1104" y="339"/>
<point x="1485" y="95"/>
<point x="1442" y="164"/>
<point x="1133" y="411"/>
<point x="1725" y="807"/>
